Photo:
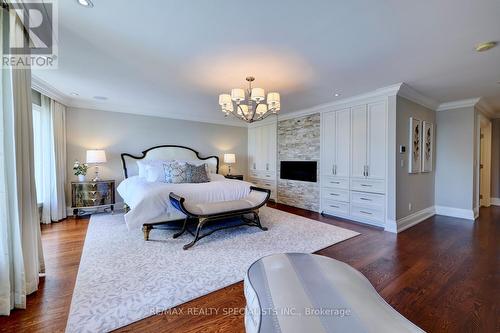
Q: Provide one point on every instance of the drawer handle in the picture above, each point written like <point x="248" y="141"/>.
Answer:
<point x="367" y="213"/>
<point x="268" y="176"/>
<point x="335" y="194"/>
<point x="333" y="206"/>
<point x="334" y="182"/>
<point x="366" y="185"/>
<point x="267" y="184"/>
<point x="365" y="199"/>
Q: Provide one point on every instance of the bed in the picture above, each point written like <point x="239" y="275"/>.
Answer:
<point x="148" y="203"/>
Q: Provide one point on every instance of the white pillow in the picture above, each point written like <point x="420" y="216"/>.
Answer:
<point x="155" y="172"/>
<point x="215" y="177"/>
<point x="141" y="165"/>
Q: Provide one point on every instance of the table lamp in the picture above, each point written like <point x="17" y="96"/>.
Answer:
<point x="96" y="156"/>
<point x="229" y="159"/>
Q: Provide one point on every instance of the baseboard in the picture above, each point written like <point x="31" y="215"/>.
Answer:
<point x="460" y="213"/>
<point x="410" y="220"/>
<point x="495" y="201"/>
<point x="118" y="207"/>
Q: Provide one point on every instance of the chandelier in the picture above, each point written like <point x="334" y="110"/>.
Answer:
<point x="255" y="108"/>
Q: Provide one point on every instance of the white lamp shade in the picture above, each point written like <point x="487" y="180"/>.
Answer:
<point x="96" y="156"/>
<point x="229" y="158"/>
<point x="258" y="94"/>
<point x="273" y="97"/>
<point x="224" y="99"/>
<point x="261" y="109"/>
<point x="238" y="95"/>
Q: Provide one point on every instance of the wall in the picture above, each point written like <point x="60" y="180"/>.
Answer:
<point x="495" y="158"/>
<point x="417" y="189"/>
<point x="455" y="158"/>
<point x="299" y="139"/>
<point x="120" y="132"/>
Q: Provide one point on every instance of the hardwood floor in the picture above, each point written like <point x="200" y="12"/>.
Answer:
<point x="442" y="274"/>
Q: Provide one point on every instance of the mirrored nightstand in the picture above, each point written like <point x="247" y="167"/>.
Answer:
<point x="90" y="195"/>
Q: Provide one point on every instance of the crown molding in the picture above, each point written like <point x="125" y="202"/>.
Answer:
<point x="464" y="103"/>
<point x="411" y="94"/>
<point x="374" y="95"/>
<point x="77" y="104"/>
<point x="46" y="89"/>
<point x="487" y="110"/>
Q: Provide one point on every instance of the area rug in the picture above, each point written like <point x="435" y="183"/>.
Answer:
<point x="123" y="279"/>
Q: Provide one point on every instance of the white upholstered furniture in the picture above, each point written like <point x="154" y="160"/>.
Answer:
<point x="223" y="210"/>
<point x="298" y="292"/>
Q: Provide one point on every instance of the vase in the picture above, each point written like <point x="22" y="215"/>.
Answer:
<point x="81" y="178"/>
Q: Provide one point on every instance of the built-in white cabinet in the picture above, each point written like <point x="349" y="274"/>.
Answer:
<point x="262" y="156"/>
<point x="353" y="162"/>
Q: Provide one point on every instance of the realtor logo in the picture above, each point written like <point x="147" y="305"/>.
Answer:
<point x="37" y="46"/>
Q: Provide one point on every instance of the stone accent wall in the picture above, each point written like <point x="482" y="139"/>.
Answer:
<point x="299" y="140"/>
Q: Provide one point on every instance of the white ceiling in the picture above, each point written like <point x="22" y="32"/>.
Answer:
<point x="174" y="57"/>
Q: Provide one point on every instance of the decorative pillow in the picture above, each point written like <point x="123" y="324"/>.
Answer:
<point x="196" y="173"/>
<point x="175" y="172"/>
<point x="155" y="172"/>
<point x="143" y="165"/>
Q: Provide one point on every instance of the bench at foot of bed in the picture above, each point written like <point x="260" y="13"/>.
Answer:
<point x="247" y="209"/>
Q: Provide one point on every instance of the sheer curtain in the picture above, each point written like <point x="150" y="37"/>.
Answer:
<point x="53" y="127"/>
<point x="21" y="257"/>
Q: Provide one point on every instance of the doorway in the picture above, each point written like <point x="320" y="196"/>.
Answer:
<point x="484" y="167"/>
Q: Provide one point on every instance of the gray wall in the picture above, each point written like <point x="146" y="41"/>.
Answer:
<point x="120" y="132"/>
<point x="299" y="140"/>
<point x="417" y="189"/>
<point x="495" y="158"/>
<point x="455" y="158"/>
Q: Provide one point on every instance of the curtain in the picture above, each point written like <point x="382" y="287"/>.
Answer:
<point x="21" y="258"/>
<point x="53" y="123"/>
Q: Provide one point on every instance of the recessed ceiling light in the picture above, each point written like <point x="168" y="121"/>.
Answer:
<point x="86" y="3"/>
<point x="101" y="98"/>
<point x="481" y="47"/>
<point x="336" y="94"/>
<point x="75" y="94"/>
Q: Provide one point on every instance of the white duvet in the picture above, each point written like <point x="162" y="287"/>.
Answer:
<point x="149" y="202"/>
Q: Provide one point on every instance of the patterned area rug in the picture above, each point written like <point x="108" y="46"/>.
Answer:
<point x="123" y="279"/>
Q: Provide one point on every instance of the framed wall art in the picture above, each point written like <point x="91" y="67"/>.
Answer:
<point x="415" y="146"/>
<point x="427" y="145"/>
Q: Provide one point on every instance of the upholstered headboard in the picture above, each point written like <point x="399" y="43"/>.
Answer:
<point x="166" y="152"/>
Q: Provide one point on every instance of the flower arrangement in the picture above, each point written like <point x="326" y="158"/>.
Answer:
<point x="80" y="169"/>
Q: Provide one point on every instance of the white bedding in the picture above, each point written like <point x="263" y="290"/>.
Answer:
<point x="149" y="202"/>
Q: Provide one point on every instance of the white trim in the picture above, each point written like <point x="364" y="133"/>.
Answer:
<point x="273" y="119"/>
<point x="48" y="90"/>
<point x="464" y="103"/>
<point x="411" y="94"/>
<point x="461" y="213"/>
<point x="410" y="220"/>
<point x="495" y="201"/>
<point x="365" y="98"/>
<point x="484" y="108"/>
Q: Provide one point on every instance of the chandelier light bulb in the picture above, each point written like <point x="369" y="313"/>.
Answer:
<point x="258" y="95"/>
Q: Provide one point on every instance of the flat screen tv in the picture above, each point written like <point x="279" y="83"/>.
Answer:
<point x="299" y="170"/>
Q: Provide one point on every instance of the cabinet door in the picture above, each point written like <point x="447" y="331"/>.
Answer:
<point x="377" y="145"/>
<point x="261" y="154"/>
<point x="342" y="142"/>
<point x="358" y="140"/>
<point x="271" y="146"/>
<point x="328" y="144"/>
<point x="252" y="149"/>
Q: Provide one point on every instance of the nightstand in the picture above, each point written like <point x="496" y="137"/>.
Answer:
<point x="239" y="177"/>
<point x="92" y="195"/>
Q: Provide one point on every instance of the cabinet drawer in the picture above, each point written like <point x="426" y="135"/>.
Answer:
<point x="262" y="174"/>
<point x="335" y="194"/>
<point x="335" y="207"/>
<point x="335" y="182"/>
<point x="372" y="199"/>
<point x="368" y="185"/>
<point x="367" y="212"/>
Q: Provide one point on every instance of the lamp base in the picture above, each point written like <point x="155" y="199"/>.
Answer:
<point x="96" y="178"/>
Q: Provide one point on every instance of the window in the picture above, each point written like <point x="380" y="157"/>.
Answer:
<point x="37" y="146"/>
